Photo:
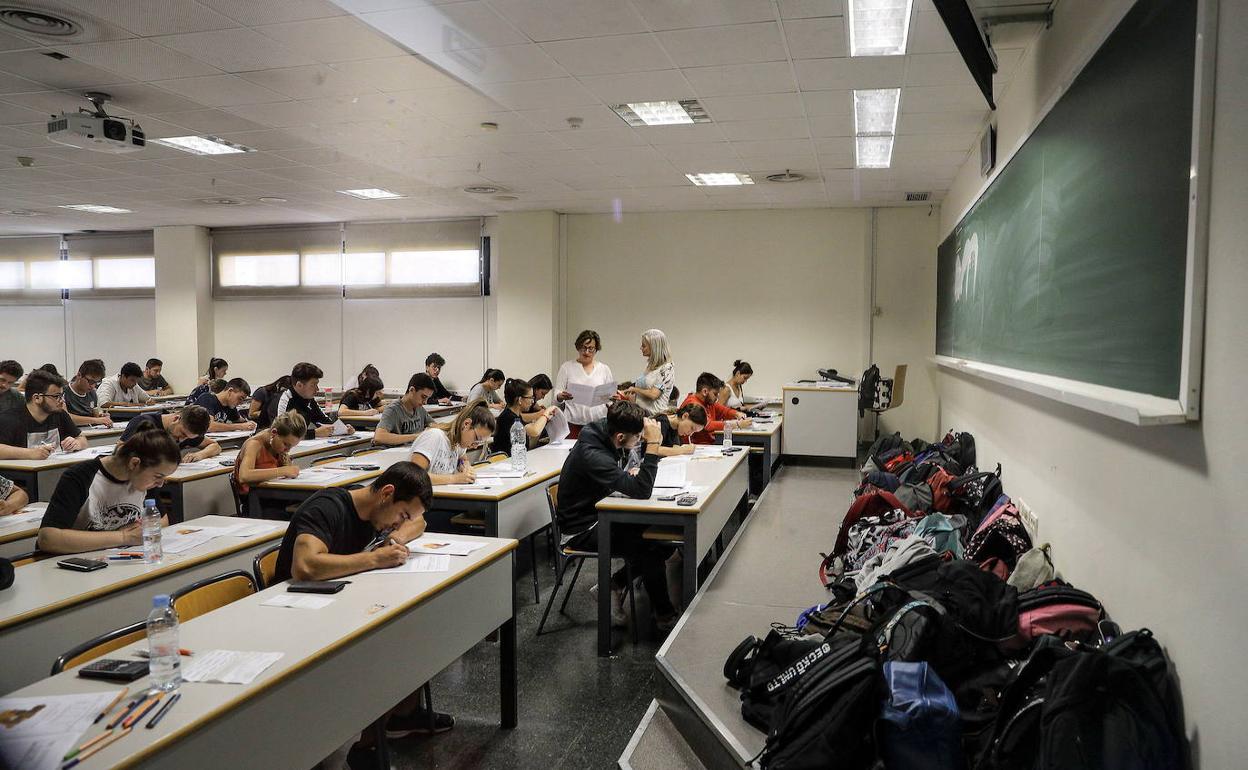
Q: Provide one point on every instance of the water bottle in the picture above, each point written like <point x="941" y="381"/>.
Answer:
<point x="728" y="426"/>
<point x="152" y="553"/>
<point x="519" y="447"/>
<point x="164" y="657"/>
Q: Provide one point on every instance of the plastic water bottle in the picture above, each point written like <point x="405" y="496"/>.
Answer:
<point x="729" y="425"/>
<point x="152" y="552"/>
<point x="164" y="658"/>
<point x="519" y="447"/>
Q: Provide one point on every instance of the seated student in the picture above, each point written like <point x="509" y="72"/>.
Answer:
<point x="98" y="503"/>
<point x="595" y="468"/>
<point x="81" y="401"/>
<point x="487" y="387"/>
<point x="187" y="427"/>
<point x="707" y="396"/>
<point x="732" y="394"/>
<point x="688" y="420"/>
<point x="10" y="397"/>
<point x="222" y="405"/>
<point x="305" y="381"/>
<point x="362" y="400"/>
<point x="258" y="409"/>
<point x="41" y="426"/>
<point x="266" y="456"/>
<point x="542" y="386"/>
<point x="405" y="417"/>
<point x="336" y="533"/>
<point x="152" y="381"/>
<point x="519" y="395"/>
<point x="124" y="388"/>
<point x="12" y="497"/>
<point x="50" y="369"/>
<point x="217" y="369"/>
<point x="433" y="368"/>
<point x="368" y="371"/>
<point x="442" y="449"/>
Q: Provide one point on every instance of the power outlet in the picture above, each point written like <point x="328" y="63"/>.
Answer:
<point x="1031" y="522"/>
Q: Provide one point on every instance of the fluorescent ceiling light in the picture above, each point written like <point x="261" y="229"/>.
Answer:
<point x="201" y="145"/>
<point x="875" y="111"/>
<point x="672" y="113"/>
<point x="719" y="179"/>
<point x="96" y="209"/>
<point x="874" y="151"/>
<point x="372" y="194"/>
<point x="878" y="27"/>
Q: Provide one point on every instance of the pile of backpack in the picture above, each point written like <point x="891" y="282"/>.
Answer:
<point x="949" y="641"/>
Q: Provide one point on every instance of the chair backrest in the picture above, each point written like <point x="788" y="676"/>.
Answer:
<point x="552" y="502"/>
<point x="264" y="565"/>
<point x="206" y="595"/>
<point x="330" y="458"/>
<point x="30" y="557"/>
<point x="100" y="645"/>
<point x="899" y="386"/>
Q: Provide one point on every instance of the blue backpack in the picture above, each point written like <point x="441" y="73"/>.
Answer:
<point x="920" y="723"/>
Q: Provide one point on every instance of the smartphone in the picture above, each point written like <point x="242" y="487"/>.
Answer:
<point x="227" y="462"/>
<point x="667" y="498"/>
<point x="316" y="586"/>
<point x="78" y="564"/>
<point x="363" y="467"/>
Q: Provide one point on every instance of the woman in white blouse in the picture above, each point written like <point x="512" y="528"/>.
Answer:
<point x="652" y="390"/>
<point x="584" y="370"/>
<point x="732" y="395"/>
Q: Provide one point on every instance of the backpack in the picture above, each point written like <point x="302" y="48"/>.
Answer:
<point x="1034" y="568"/>
<point x="1001" y="537"/>
<point x="961" y="447"/>
<point x="974" y="494"/>
<point x="764" y="671"/>
<point x="1058" y="609"/>
<point x="919" y="725"/>
<point x="875" y="535"/>
<point x="944" y="533"/>
<point x="873" y="503"/>
<point x="866" y="389"/>
<point x="886" y="442"/>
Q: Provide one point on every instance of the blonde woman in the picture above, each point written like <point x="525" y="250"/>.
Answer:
<point x="442" y="449"/>
<point x="652" y="390"/>
<point x="266" y="456"/>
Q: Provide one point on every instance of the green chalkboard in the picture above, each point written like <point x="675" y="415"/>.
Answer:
<point x="1072" y="263"/>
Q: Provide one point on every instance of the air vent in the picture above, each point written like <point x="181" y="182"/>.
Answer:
<point x="37" y="22"/>
<point x="917" y="197"/>
<point x="787" y="176"/>
<point x="482" y="189"/>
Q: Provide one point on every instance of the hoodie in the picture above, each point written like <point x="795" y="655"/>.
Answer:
<point x="594" y="469"/>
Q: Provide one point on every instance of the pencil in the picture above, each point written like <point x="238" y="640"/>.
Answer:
<point x="126" y="711"/>
<point x="124" y="691"/>
<point x="87" y="745"/>
<point x="87" y="754"/>
<point x="141" y="711"/>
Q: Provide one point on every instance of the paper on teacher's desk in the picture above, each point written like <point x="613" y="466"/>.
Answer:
<point x="557" y="427"/>
<point x="417" y="562"/>
<point x="298" y="601"/>
<point x="37" y="732"/>
<point x="228" y="666"/>
<point x="592" y="396"/>
<point x="443" y="546"/>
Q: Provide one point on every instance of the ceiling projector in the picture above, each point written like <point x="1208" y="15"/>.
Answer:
<point x="96" y="130"/>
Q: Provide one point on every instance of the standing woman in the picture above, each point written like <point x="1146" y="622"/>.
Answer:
<point x="487" y="387"/>
<point x="732" y="394"/>
<point x="584" y="370"/>
<point x="652" y="390"/>
<point x="217" y="369"/>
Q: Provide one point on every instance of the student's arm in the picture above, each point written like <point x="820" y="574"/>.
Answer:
<point x="141" y="395"/>
<point x="535" y="428"/>
<point x="602" y="465"/>
<point x="313" y="561"/>
<point x="105" y="394"/>
<point x="254" y="409"/>
<point x="79" y="419"/>
<point x="465" y="474"/>
<point x="222" y="427"/>
<point x="15" y="502"/>
<point x="56" y="531"/>
<point x="724" y="394"/>
<point x="250" y="475"/>
<point x="674" y="451"/>
<point x="207" y="448"/>
<point x="387" y="434"/>
<point x="10" y="452"/>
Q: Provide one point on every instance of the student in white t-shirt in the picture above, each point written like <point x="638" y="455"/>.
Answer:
<point x="123" y="389"/>
<point x="442" y="449"/>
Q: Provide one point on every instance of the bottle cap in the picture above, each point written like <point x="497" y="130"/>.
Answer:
<point x="149" y="502"/>
<point x="160" y="600"/>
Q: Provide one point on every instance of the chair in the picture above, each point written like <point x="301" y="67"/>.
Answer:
<point x="264" y="565"/>
<point x="204" y="596"/>
<point x="890" y="395"/>
<point x="100" y="645"/>
<point x="565" y="555"/>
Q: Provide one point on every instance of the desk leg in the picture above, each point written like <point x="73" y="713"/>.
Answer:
<point x="689" y="582"/>
<point x="176" y="499"/>
<point x="509" y="705"/>
<point x="604" y="586"/>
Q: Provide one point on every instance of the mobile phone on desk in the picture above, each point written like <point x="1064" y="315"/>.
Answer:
<point x="79" y="564"/>
<point x="316" y="586"/>
<point x="667" y="498"/>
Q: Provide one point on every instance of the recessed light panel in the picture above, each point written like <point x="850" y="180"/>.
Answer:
<point x="672" y="113"/>
<point x="93" y="208"/>
<point x="875" y="111"/>
<point x="878" y="27"/>
<point x="202" y="145"/>
<point x="372" y="194"/>
<point x="874" y="151"/>
<point x="719" y="179"/>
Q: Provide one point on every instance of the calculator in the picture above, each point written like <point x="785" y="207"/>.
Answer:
<point x="686" y="499"/>
<point x="114" y="670"/>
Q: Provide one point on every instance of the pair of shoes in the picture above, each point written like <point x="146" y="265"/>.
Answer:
<point x="418" y="722"/>
<point x="619" y="617"/>
<point x="362" y="757"/>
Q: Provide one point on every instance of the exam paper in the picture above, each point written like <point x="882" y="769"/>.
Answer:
<point x="298" y="601"/>
<point x="592" y="396"/>
<point x="340" y="428"/>
<point x="180" y="538"/>
<point x="417" y="562"/>
<point x="671" y="474"/>
<point x="200" y="465"/>
<point x="37" y="732"/>
<point x="228" y="666"/>
<point x="500" y="470"/>
<point x="443" y="546"/>
<point x="83" y="454"/>
<point x="27" y="516"/>
<point x="557" y="427"/>
<point x="319" y="476"/>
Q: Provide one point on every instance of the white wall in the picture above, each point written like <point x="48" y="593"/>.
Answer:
<point x="784" y="290"/>
<point x="34" y="335"/>
<point x="1151" y="520"/>
<point x="116" y="330"/>
<point x="525" y="248"/>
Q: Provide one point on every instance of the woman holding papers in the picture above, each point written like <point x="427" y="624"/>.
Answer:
<point x="589" y="373"/>
<point x="98" y="503"/>
<point x="652" y="390"/>
<point x="519" y="395"/>
<point x="442" y="449"/>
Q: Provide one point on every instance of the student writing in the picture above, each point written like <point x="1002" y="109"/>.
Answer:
<point x="258" y="410"/>
<point x="41" y="426"/>
<point x="707" y="396"/>
<point x="11" y="398"/>
<point x="442" y="449"/>
<point x="12" y="497"/>
<point x="433" y="368"/>
<point x="152" y="381"/>
<point x="305" y="380"/>
<point x="222" y="406"/>
<point x="218" y="368"/>
<point x="688" y="420"/>
<point x="519" y="395"/>
<point x="363" y="400"/>
<point x="405" y="417"/>
<point x="266" y="456"/>
<point x="187" y="428"/>
<point x="123" y="389"/>
<point x="81" y="400"/>
<point x="487" y="387"/>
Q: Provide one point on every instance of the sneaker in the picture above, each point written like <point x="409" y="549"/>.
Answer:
<point x="619" y="617"/>
<point x="400" y="725"/>
<point x="362" y="757"/>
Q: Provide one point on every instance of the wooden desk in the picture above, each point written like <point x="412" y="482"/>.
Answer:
<point x="726" y="493"/>
<point x="768" y="438"/>
<point x="124" y="413"/>
<point x="230" y="439"/>
<point x="19" y="536"/>
<point x="48" y="609"/>
<point x="100" y="436"/>
<point x="39" y="477"/>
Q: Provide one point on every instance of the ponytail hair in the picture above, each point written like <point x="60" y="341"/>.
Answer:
<point x="515" y="389"/>
<point x="492" y="374"/>
<point x="290" y="425"/>
<point x="214" y="364"/>
<point x="152" y="447"/>
<point x="742" y="367"/>
<point x="277" y="386"/>
<point x="477" y="413"/>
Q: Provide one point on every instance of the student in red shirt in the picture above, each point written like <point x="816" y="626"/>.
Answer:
<point x="707" y="396"/>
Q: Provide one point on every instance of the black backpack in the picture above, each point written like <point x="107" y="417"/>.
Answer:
<point x="974" y="494"/>
<point x="765" y="670"/>
<point x="960" y="446"/>
<point x="866" y="389"/>
<point x="6" y="573"/>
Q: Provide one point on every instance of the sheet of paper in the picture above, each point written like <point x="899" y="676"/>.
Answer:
<point x="230" y="434"/>
<point x="340" y="428"/>
<point x="417" y="562"/>
<point x="298" y="601"/>
<point x="557" y="427"/>
<point x="320" y="475"/>
<point x="24" y="518"/>
<point x="228" y="666"/>
<point x="84" y="454"/>
<point x="443" y="546"/>
<point x="500" y="470"/>
<point x="467" y="487"/>
<point x="199" y="465"/>
<point x="592" y="396"/>
<point x="670" y="475"/>
<point x="37" y="732"/>
<point x="708" y="450"/>
<point x="180" y="538"/>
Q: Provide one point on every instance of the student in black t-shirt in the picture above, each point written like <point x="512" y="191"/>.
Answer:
<point x="222" y="406"/>
<point x="433" y="368"/>
<point x="688" y="420"/>
<point x="187" y="427"/>
<point x="98" y="503"/>
<point x="152" y="381"/>
<point x="519" y="396"/>
<point x="336" y="533"/>
<point x="262" y="398"/>
<point x="362" y="401"/>
<point x="42" y="426"/>
<point x="305" y="380"/>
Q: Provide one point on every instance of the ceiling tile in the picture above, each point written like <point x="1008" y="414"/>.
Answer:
<point x="605" y="137"/>
<point x="820" y="103"/>
<point x="234" y="50"/>
<point x="783" y="128"/>
<point x="937" y="69"/>
<point x="797" y="148"/>
<point x="145" y="99"/>
<point x="817" y="38"/>
<point x="686" y="134"/>
<point x="665" y="14"/>
<point x="209" y="121"/>
<point x="545" y="20"/>
<point x="756" y="107"/>
<point x="11" y="114"/>
<point x="250" y="12"/>
<point x="970" y="121"/>
<point x="437" y="102"/>
<point x="832" y="125"/>
<point x="432" y="30"/>
<point x="808" y="9"/>
<point x="515" y="62"/>
<point x="556" y="119"/>
<point x="538" y="94"/>
<point x="67" y="73"/>
<point x="278" y="114"/>
<point x="850" y="73"/>
<point x="137" y="59"/>
<point x="10" y="42"/>
<point x="509" y="122"/>
<point x="609" y="55"/>
<point x="268" y="139"/>
<point x="962" y="98"/>
<point x="342" y="38"/>
<point x="308" y="82"/>
<point x="918" y="143"/>
<point x="929" y="35"/>
<point x="12" y="84"/>
<point x="219" y="90"/>
<point x="402" y="73"/>
<point x="156" y="17"/>
<point x="656" y="85"/>
<point x="735" y="79"/>
<point x="708" y="152"/>
<point x="709" y="46"/>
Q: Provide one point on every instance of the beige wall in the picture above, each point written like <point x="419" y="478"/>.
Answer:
<point x="525" y="247"/>
<point x="1151" y="520"/>
<point x="184" y="317"/>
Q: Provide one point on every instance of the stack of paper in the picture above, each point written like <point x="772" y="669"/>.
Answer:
<point x="417" y="562"/>
<point x="500" y="470"/>
<point x="671" y="475"/>
<point x="592" y="396"/>
<point x="228" y="666"/>
<point x="37" y="732"/>
<point x="440" y="545"/>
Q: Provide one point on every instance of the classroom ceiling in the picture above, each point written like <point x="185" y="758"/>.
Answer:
<point x="332" y="97"/>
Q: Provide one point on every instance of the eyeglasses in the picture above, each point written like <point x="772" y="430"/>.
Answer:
<point x="53" y="396"/>
<point x="588" y="349"/>
<point x="93" y="383"/>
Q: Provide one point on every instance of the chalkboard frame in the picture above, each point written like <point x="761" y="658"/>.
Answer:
<point x="1137" y="408"/>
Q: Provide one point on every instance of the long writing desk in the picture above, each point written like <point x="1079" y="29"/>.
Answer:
<point x="98" y="435"/>
<point x="767" y="436"/>
<point x="18" y="531"/>
<point x="342" y="666"/>
<point x="39" y="477"/>
<point x="48" y="609"/>
<point x="724" y="491"/>
<point x="124" y="413"/>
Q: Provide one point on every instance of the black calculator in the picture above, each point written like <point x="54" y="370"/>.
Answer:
<point x="114" y="670"/>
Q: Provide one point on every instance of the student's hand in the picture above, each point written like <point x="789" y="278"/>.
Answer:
<point x="650" y="432"/>
<point x="633" y="471"/>
<point x="324" y="431"/>
<point x="466" y="475"/>
<point x="288" y="472"/>
<point x="131" y="534"/>
<point x="106" y="421"/>
<point x="410" y="530"/>
<point x="40" y="452"/>
<point x="193" y="457"/>
<point x="549" y="412"/>
<point x="389" y="555"/>
<point x="350" y="429"/>
<point x="685" y="449"/>
<point x="445" y="401"/>
<point x="563" y="396"/>
<point x="743" y="422"/>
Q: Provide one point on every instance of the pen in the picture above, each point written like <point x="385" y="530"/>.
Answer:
<point x="113" y="738"/>
<point x="163" y="710"/>
<point x="141" y="711"/>
<point x="125" y="712"/>
<point x="87" y="745"/>
<point x="113" y="705"/>
<point x="124" y="557"/>
<point x="146" y="654"/>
